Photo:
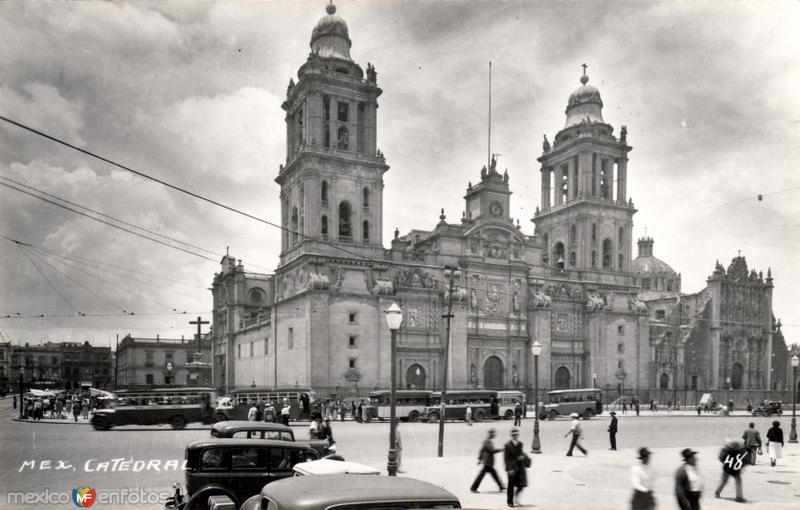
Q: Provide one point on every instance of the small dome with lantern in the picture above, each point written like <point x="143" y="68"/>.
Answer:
<point x="585" y="104"/>
<point x="653" y="273"/>
<point x="330" y="38"/>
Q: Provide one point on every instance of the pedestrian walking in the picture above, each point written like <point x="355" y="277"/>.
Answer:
<point x="360" y="411"/>
<point x="269" y="412"/>
<point x="285" y="410"/>
<point x="733" y="457"/>
<point x="76" y="408"/>
<point x="575" y="430"/>
<point x="252" y="414"/>
<point x="699" y="408"/>
<point x="486" y="457"/>
<point x="518" y="415"/>
<point x="37" y="410"/>
<point x="516" y="461"/>
<point x="678" y="405"/>
<point x="642" y="481"/>
<point x="468" y="415"/>
<point x="636" y="405"/>
<point x="624" y="407"/>
<point x="313" y="429"/>
<point x="688" y="482"/>
<point x="774" y="443"/>
<point x="353" y="409"/>
<point x="730" y="407"/>
<point x="752" y="442"/>
<point x="612" y="431"/>
<point x="398" y="445"/>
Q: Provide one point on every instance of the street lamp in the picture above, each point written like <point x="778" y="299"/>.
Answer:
<point x="793" y="433"/>
<point x="594" y="380"/>
<point x="451" y="273"/>
<point x="21" y="390"/>
<point x="394" y="316"/>
<point x="536" y="350"/>
<point x="169" y="373"/>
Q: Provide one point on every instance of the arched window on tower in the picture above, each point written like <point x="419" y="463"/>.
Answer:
<point x="324" y="194"/>
<point x="594" y="232"/>
<point x="621" y="264"/>
<point x="621" y="236"/>
<point x="608" y="246"/>
<point x="594" y="258"/>
<point x="345" y="227"/>
<point x="365" y="232"/>
<point x="324" y="227"/>
<point x="343" y="139"/>
<point x="572" y="259"/>
<point x="573" y="234"/>
<point x="365" y="200"/>
<point x="558" y="254"/>
<point x="293" y="225"/>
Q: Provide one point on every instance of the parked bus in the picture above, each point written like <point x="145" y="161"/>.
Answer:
<point x="302" y="402"/>
<point x="586" y="402"/>
<point x="481" y="402"/>
<point x="507" y="401"/>
<point x="409" y="404"/>
<point x="175" y="406"/>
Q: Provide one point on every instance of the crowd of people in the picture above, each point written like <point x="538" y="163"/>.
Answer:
<point x="59" y="406"/>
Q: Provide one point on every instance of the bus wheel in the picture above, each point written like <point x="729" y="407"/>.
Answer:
<point x="433" y="418"/>
<point x="177" y="422"/>
<point x="413" y="416"/>
<point x="101" y="424"/>
<point x="478" y="416"/>
<point x="587" y="414"/>
<point x="551" y="415"/>
<point x="508" y="414"/>
<point x="218" y="417"/>
<point x="368" y="419"/>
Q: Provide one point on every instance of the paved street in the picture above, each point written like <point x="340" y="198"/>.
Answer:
<point x="60" y="457"/>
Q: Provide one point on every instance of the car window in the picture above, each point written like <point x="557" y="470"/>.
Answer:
<point x="283" y="459"/>
<point x="249" y="458"/>
<point x="212" y="459"/>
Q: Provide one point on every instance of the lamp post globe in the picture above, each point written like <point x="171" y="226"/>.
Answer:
<point x="394" y="317"/>
<point x="169" y="373"/>
<point x="793" y="433"/>
<point x="536" y="350"/>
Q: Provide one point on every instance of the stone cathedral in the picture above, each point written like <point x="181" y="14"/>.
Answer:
<point x="602" y="317"/>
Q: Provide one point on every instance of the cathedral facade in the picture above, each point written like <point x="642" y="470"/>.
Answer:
<point x="572" y="285"/>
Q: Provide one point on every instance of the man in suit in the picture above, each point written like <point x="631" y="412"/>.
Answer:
<point x="752" y="441"/>
<point x="515" y="460"/>
<point x="486" y="457"/>
<point x="612" y="431"/>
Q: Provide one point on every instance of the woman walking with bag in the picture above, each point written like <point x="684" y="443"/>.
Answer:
<point x="774" y="443"/>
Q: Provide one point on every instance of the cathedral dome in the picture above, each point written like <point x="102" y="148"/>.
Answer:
<point x="584" y="104"/>
<point x="330" y="37"/>
<point x="646" y="264"/>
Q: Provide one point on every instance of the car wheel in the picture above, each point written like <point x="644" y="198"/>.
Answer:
<point x="177" y="422"/>
<point x="413" y="416"/>
<point x="433" y="418"/>
<point x="551" y="415"/>
<point x="587" y="414"/>
<point x="509" y="414"/>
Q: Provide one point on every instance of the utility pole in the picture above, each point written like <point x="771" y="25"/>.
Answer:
<point x="452" y="273"/>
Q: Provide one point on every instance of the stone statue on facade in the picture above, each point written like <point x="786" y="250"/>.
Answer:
<point x="545" y="144"/>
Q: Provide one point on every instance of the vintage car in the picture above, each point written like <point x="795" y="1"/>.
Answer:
<point x="768" y="408"/>
<point x="328" y="492"/>
<point x="333" y="467"/>
<point x="267" y="430"/>
<point x="236" y="468"/>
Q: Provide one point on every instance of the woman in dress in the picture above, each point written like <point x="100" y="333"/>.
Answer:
<point x="774" y="443"/>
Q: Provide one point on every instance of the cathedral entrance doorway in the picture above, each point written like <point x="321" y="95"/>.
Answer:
<point x="663" y="382"/>
<point x="493" y="373"/>
<point x="737" y="371"/>
<point x="562" y="380"/>
<point x="415" y="377"/>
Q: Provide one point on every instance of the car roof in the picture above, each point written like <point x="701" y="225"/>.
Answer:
<point x="235" y="425"/>
<point x="234" y="442"/>
<point x="333" y="467"/>
<point x="324" y="491"/>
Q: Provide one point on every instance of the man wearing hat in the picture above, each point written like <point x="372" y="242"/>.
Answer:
<point x="486" y="457"/>
<point x="575" y="430"/>
<point x="612" y="431"/>
<point x="516" y="461"/>
<point x="688" y="482"/>
<point x="642" y="480"/>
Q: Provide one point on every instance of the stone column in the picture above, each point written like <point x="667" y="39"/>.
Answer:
<point x="622" y="180"/>
<point x="572" y="171"/>
<point x="557" y="184"/>
<point x="596" y="176"/>
<point x="545" y="188"/>
<point x="585" y="173"/>
<point x="371" y="145"/>
<point x="314" y="123"/>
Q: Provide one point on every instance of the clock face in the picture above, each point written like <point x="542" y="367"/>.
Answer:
<point x="496" y="209"/>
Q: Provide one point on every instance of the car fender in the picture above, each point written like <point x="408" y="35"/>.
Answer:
<point x="252" y="503"/>
<point x="200" y="497"/>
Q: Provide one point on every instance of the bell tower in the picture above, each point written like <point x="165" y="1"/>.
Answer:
<point x="586" y="220"/>
<point x="332" y="182"/>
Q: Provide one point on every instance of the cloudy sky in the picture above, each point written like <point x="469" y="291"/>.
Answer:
<point x="190" y="92"/>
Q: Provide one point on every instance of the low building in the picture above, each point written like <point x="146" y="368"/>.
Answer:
<point x="159" y="361"/>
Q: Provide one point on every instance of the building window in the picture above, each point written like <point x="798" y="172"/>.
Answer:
<point x="290" y="338"/>
<point x="621" y="348"/>
<point x="573" y="234"/>
<point x="646" y="283"/>
<point x="324" y="228"/>
<point x="168" y="357"/>
<point x="365" y="232"/>
<point x="266" y="346"/>
<point x="251" y="349"/>
<point x="352" y="342"/>
<point x="342" y="138"/>
<point x="148" y="379"/>
<point x="607" y="248"/>
<point x="352" y="363"/>
<point x="365" y="199"/>
<point x="621" y="236"/>
<point x="572" y="259"/>
<point x="345" y="230"/>
<point x="621" y="364"/>
<point x="621" y="262"/>
<point x="669" y="285"/>
<point x="621" y="330"/>
<point x="660" y="315"/>
<point x="344" y="109"/>
<point x="148" y="358"/>
<point x="256" y="296"/>
<point x="239" y="351"/>
<point x="293" y="226"/>
<point x="324" y="194"/>
<point x="594" y="258"/>
<point x="694" y="382"/>
<point x="352" y="317"/>
<point x="594" y="232"/>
